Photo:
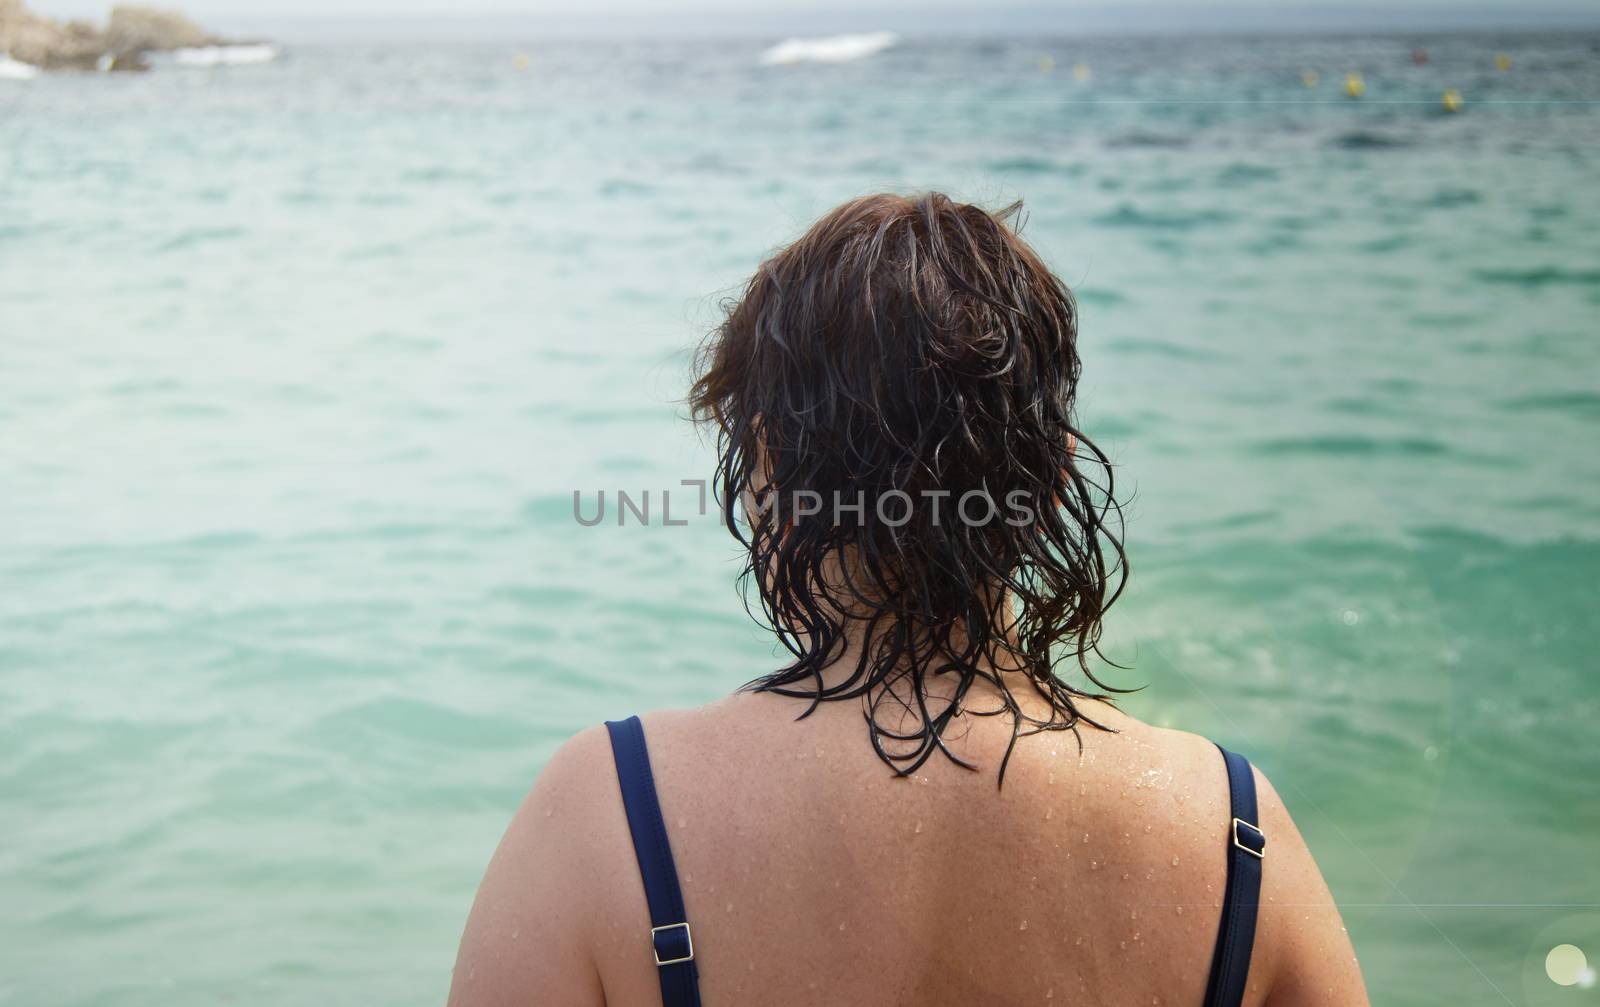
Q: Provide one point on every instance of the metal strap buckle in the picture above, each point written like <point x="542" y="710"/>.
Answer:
<point x="688" y="940"/>
<point x="1259" y="851"/>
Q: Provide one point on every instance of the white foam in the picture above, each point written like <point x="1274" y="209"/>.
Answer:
<point x="828" y="48"/>
<point x="15" y="69"/>
<point x="225" y="55"/>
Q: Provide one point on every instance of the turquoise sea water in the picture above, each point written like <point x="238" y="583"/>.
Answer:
<point x="300" y="366"/>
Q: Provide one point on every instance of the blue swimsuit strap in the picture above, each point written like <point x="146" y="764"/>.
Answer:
<point x="673" y="944"/>
<point x="1247" y="845"/>
<point x="670" y="938"/>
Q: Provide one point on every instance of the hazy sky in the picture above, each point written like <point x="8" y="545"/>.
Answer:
<point x="905" y="15"/>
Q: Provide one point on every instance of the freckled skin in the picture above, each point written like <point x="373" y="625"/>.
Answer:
<point x="812" y="874"/>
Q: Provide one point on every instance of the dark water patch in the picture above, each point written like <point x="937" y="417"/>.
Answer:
<point x="1140" y="139"/>
<point x="1229" y="522"/>
<point x="613" y="188"/>
<point x="1162" y="348"/>
<point x="381" y="250"/>
<point x="540" y="596"/>
<point x="1240" y="175"/>
<point x="1397" y="386"/>
<point x="1364" y="139"/>
<point x="1387" y="244"/>
<point x="626" y="465"/>
<point x="879" y="166"/>
<point x="1351" y="406"/>
<point x="197" y="236"/>
<point x="555" y="508"/>
<point x="391" y="340"/>
<point x="1446" y="199"/>
<point x="1581" y="403"/>
<point x="440" y="173"/>
<point x="1098" y="296"/>
<point x="1273" y="245"/>
<point x="1351" y="445"/>
<point x="1554" y="503"/>
<point x="1443" y="319"/>
<point x="1033" y="164"/>
<point x="1541" y="276"/>
<point x="1168" y="183"/>
<point x="1109" y="428"/>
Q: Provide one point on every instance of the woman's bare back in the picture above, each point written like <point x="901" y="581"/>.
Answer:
<point x="812" y="874"/>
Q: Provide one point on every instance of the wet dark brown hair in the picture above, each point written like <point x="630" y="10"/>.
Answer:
<point x="916" y="346"/>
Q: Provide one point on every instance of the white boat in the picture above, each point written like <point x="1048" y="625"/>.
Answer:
<point x="828" y="48"/>
<point x="15" y="69"/>
<point x="225" y="55"/>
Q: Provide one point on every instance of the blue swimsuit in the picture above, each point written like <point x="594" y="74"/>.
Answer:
<point x="673" y="944"/>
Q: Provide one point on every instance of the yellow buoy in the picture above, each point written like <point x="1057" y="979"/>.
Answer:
<point x="1451" y="100"/>
<point x="1081" y="71"/>
<point x="1502" y="61"/>
<point x="1310" y="79"/>
<point x="1047" y="64"/>
<point x="1354" y="86"/>
<point x="521" y="61"/>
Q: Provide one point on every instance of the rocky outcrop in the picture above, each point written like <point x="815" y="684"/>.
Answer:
<point x="153" y="29"/>
<point x="80" y="45"/>
<point x="45" y="43"/>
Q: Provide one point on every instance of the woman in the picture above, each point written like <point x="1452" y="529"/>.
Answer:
<point x="919" y="807"/>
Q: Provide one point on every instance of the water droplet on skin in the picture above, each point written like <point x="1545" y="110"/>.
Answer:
<point x="1094" y="865"/>
<point x="1086" y="837"/>
<point x="1174" y="861"/>
<point x="1123" y="945"/>
<point x="1124" y="875"/>
<point x="1050" y="994"/>
<point x="1136" y="935"/>
<point x="1049" y="813"/>
<point x="1023" y="925"/>
<point x="841" y="926"/>
<point x="515" y="933"/>
<point x="1180" y="910"/>
<point x="918" y="828"/>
